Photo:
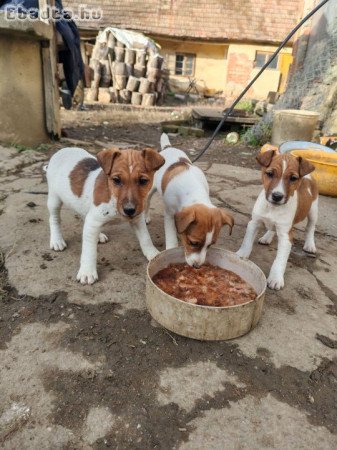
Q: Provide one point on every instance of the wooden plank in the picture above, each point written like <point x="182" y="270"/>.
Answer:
<point x="51" y="89"/>
<point x="216" y="115"/>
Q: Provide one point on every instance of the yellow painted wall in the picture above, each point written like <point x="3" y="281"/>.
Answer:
<point x="211" y="66"/>
<point x="210" y="63"/>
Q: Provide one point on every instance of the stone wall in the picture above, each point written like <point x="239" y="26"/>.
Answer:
<point x="313" y="81"/>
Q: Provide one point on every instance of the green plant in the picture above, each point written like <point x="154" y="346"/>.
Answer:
<point x="258" y="135"/>
<point x="246" y="105"/>
<point x="22" y="148"/>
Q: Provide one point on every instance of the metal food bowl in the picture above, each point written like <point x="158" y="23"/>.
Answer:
<point x="210" y="323"/>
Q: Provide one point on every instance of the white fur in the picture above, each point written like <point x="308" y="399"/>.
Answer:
<point x="279" y="218"/>
<point x="196" y="259"/>
<point x="188" y="188"/>
<point x="59" y="192"/>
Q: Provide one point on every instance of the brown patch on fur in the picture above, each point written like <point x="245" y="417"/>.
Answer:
<point x="102" y="192"/>
<point x="128" y="177"/>
<point x="80" y="173"/>
<point x="307" y="190"/>
<point x="297" y="167"/>
<point x="173" y="170"/>
<point x="305" y="198"/>
<point x="195" y="221"/>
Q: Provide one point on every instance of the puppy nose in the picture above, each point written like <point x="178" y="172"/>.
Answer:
<point x="277" y="196"/>
<point x="129" y="210"/>
<point x="196" y="266"/>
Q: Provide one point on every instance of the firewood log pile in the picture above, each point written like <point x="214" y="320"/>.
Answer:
<point x="126" y="75"/>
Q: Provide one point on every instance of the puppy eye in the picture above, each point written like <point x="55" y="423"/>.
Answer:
<point x="270" y="174"/>
<point x="117" y="181"/>
<point x="194" y="243"/>
<point x="293" y="178"/>
<point x="143" y="181"/>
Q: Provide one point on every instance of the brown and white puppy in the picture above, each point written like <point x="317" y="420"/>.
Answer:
<point x="188" y="208"/>
<point x="117" y="182"/>
<point x="290" y="195"/>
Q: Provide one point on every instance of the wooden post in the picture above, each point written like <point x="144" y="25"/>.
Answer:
<point x="51" y="88"/>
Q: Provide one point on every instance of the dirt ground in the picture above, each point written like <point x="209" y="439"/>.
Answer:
<point x="85" y="367"/>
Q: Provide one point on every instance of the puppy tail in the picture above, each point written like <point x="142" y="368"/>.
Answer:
<point x="164" y="141"/>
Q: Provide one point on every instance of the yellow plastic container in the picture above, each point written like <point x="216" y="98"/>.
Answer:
<point x="325" y="169"/>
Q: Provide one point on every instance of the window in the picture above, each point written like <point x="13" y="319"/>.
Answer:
<point x="184" y="64"/>
<point x="261" y="59"/>
<point x="180" y="63"/>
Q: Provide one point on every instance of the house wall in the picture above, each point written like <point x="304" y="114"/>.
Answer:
<point x="210" y="64"/>
<point x="227" y="68"/>
<point x="22" y="114"/>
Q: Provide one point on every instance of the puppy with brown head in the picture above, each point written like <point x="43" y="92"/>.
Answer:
<point x="289" y="196"/>
<point x="128" y="177"/>
<point x="198" y="227"/>
<point x="188" y="208"/>
<point x="118" y="181"/>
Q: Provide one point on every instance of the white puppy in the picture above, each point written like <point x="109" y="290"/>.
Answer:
<point x="117" y="182"/>
<point x="188" y="208"/>
<point x="289" y="196"/>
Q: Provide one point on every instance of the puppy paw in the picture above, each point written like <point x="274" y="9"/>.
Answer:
<point x="147" y="219"/>
<point x="242" y="254"/>
<point x="310" y="247"/>
<point x="86" y="276"/>
<point x="275" y="282"/>
<point x="151" y="253"/>
<point x="102" y="238"/>
<point x="267" y="238"/>
<point x="58" y="245"/>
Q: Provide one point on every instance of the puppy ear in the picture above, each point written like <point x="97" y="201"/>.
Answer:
<point x="305" y="166"/>
<point x="106" y="159"/>
<point x="265" y="158"/>
<point x="153" y="159"/>
<point x="227" y="219"/>
<point x="184" y="218"/>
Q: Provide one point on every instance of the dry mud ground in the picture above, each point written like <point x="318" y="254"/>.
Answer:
<point x="85" y="367"/>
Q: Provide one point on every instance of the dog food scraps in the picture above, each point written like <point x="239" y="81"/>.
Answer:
<point x="208" y="286"/>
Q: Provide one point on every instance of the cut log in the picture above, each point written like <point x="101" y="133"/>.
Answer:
<point x="130" y="56"/>
<point x="144" y="86"/>
<point x="129" y="69"/>
<point x="132" y="84"/>
<point x="125" y="96"/>
<point x="119" y="68"/>
<point x="139" y="71"/>
<point x="104" y="95"/>
<point x="141" y="58"/>
<point x="116" y="95"/>
<point x="111" y="41"/>
<point x="149" y="99"/>
<point x="102" y="51"/>
<point x="153" y="74"/>
<point x="155" y="62"/>
<point x="113" y="95"/>
<point x="105" y="74"/>
<point x="119" y="54"/>
<point x="119" y="81"/>
<point x="93" y="92"/>
<point x="136" y="98"/>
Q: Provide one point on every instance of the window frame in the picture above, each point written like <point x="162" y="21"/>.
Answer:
<point x="184" y="64"/>
<point x="267" y="57"/>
